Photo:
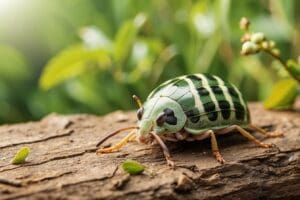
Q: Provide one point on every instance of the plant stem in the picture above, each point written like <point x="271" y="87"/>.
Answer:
<point x="282" y="63"/>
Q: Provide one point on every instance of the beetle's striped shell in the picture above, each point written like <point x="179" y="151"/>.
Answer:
<point x="207" y="101"/>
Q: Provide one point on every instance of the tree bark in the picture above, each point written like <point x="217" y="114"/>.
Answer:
<point x="63" y="164"/>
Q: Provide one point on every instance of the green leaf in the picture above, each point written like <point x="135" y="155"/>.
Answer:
<point x="125" y="38"/>
<point x="21" y="156"/>
<point x="283" y="95"/>
<point x="70" y="63"/>
<point x="132" y="167"/>
<point x="294" y="68"/>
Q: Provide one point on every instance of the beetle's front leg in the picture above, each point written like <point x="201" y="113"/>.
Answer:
<point x="165" y="149"/>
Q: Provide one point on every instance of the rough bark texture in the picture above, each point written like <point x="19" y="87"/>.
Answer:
<point x="63" y="163"/>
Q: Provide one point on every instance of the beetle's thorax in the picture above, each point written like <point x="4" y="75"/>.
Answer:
<point x="167" y="110"/>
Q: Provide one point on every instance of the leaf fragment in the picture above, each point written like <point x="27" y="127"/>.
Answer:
<point x="133" y="167"/>
<point x="21" y="156"/>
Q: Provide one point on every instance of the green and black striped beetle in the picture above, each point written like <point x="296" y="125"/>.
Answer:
<point x="190" y="107"/>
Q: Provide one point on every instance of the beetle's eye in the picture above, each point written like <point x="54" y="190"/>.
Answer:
<point x="169" y="112"/>
<point x="168" y="117"/>
<point x="172" y="120"/>
<point x="140" y="113"/>
<point x="161" y="119"/>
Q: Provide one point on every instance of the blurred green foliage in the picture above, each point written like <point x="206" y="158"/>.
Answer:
<point x="90" y="56"/>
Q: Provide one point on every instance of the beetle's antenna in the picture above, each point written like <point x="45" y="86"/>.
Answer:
<point x="138" y="101"/>
<point x="164" y="148"/>
<point x="115" y="133"/>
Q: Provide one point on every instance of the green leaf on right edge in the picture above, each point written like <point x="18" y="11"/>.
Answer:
<point x="294" y="68"/>
<point x="132" y="167"/>
<point x="283" y="95"/>
<point x="21" y="156"/>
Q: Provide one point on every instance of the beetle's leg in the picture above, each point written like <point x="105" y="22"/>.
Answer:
<point x="250" y="137"/>
<point x="115" y="133"/>
<point x="165" y="149"/>
<point x="118" y="145"/>
<point x="132" y="138"/>
<point x="214" y="147"/>
<point x="265" y="133"/>
<point x="181" y="135"/>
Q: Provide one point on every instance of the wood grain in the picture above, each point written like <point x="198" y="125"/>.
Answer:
<point x="63" y="163"/>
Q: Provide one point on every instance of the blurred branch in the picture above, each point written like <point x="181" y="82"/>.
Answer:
<point x="278" y="58"/>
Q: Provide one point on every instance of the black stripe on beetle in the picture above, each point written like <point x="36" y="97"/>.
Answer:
<point x="211" y="80"/>
<point x="194" y="78"/>
<point x="210" y="109"/>
<point x="233" y="92"/>
<point x="223" y="104"/>
<point x="202" y="91"/>
<point x="217" y="90"/>
<point x="212" y="116"/>
<point x="193" y="116"/>
<point x="225" y="109"/>
<point x="239" y="110"/>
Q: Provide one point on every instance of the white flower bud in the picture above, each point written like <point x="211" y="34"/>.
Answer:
<point x="257" y="37"/>
<point x="245" y="37"/>
<point x="244" y="23"/>
<point x="249" y="48"/>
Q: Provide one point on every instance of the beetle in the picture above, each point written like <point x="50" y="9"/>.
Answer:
<point x="190" y="107"/>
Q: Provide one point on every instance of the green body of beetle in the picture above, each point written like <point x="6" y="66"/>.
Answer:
<point x="191" y="107"/>
<point x="198" y="102"/>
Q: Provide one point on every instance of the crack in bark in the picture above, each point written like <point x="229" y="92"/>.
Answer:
<point x="48" y="178"/>
<point x="68" y="133"/>
<point x="63" y="185"/>
<point x="53" y="159"/>
<point x="10" y="182"/>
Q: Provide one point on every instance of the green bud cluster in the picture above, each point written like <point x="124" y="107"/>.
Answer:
<point x="244" y="24"/>
<point x="255" y="42"/>
<point x="249" y="48"/>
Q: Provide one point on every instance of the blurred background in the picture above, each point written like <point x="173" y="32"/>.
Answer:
<point x="90" y="56"/>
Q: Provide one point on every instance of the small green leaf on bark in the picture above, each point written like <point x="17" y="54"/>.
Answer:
<point x="20" y="156"/>
<point x="133" y="167"/>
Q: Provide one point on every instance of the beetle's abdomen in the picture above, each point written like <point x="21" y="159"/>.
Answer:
<point x="208" y="101"/>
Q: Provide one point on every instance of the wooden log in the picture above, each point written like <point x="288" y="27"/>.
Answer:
<point x="63" y="163"/>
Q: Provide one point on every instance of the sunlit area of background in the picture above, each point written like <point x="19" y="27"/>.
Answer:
<point x="90" y="56"/>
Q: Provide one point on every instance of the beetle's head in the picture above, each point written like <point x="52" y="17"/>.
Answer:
<point x="161" y="115"/>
